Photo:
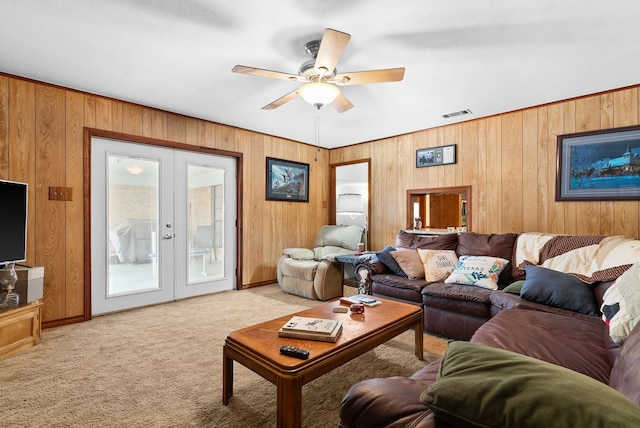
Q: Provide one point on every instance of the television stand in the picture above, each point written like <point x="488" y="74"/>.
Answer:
<point x="19" y="328"/>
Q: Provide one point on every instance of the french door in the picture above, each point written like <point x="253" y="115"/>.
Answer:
<point x="162" y="224"/>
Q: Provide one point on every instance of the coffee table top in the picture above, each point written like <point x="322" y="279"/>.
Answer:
<point x="263" y="343"/>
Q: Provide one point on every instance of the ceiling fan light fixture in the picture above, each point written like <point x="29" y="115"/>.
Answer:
<point x="135" y="169"/>
<point x="319" y="93"/>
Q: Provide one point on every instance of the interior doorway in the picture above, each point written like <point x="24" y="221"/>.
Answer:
<point x="349" y="196"/>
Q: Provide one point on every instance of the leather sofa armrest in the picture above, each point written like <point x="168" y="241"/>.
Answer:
<point x="298" y="253"/>
<point x="391" y="402"/>
<point x="501" y="301"/>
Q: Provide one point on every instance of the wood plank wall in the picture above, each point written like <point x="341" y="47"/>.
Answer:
<point x="510" y="162"/>
<point x="41" y="143"/>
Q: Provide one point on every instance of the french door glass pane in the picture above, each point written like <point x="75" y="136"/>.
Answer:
<point x="132" y="216"/>
<point x="205" y="223"/>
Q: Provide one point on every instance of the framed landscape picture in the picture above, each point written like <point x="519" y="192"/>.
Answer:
<point x="287" y="180"/>
<point x="599" y="165"/>
<point x="443" y="155"/>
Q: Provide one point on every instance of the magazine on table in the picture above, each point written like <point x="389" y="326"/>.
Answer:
<point x="314" y="325"/>
<point x="312" y="335"/>
<point x="365" y="299"/>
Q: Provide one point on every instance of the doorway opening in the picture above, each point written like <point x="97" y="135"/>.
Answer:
<point x="349" y="196"/>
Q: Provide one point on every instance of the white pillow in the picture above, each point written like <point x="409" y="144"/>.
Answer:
<point x="621" y="304"/>
<point x="482" y="271"/>
<point x="437" y="264"/>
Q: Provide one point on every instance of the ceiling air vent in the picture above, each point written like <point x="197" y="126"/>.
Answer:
<point x="456" y="113"/>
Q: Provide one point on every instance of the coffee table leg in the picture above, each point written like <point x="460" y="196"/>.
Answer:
<point x="227" y="377"/>
<point x="419" y="340"/>
<point x="289" y="402"/>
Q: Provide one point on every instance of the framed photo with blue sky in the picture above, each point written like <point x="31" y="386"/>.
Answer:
<point x="599" y="165"/>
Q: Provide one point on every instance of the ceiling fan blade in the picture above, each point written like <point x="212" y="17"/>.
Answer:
<point x="243" y="69"/>
<point x="369" y="76"/>
<point x="341" y="103"/>
<point x="277" y="103"/>
<point x="332" y="46"/>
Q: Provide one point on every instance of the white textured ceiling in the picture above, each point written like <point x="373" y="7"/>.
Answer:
<point x="486" y="56"/>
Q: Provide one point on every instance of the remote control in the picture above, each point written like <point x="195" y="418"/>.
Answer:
<point x="302" y="354"/>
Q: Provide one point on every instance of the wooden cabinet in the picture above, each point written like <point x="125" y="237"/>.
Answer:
<point x="19" y="329"/>
<point x="445" y="211"/>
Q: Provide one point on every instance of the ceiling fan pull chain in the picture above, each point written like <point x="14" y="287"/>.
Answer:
<point x="317" y="136"/>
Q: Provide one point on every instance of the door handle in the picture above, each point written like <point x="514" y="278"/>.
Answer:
<point x="167" y="236"/>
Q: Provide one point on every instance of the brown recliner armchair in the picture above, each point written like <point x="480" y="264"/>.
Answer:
<point x="315" y="274"/>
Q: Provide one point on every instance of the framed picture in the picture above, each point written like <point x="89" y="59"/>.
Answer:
<point x="599" y="165"/>
<point x="287" y="180"/>
<point x="443" y="155"/>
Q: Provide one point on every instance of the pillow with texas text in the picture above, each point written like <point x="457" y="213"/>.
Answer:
<point x="481" y="271"/>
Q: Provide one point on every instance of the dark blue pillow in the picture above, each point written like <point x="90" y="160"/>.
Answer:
<point x="387" y="259"/>
<point x="557" y="289"/>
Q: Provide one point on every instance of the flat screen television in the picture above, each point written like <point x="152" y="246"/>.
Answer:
<point x="13" y="222"/>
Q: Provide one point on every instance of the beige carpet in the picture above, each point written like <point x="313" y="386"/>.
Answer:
<point x="161" y="366"/>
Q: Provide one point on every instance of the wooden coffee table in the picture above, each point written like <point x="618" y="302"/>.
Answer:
<point x="258" y="348"/>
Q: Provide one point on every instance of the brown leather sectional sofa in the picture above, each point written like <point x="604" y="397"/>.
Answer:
<point x="567" y="339"/>
<point x="452" y="310"/>
<point x="526" y="364"/>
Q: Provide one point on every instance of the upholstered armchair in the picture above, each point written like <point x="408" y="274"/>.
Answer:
<point x="315" y="274"/>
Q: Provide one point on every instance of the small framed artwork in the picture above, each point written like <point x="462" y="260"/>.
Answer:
<point x="599" y="165"/>
<point x="443" y="155"/>
<point x="287" y="180"/>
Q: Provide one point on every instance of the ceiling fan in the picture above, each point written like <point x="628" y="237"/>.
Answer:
<point x="320" y="74"/>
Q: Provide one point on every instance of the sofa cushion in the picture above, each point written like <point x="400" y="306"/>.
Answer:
<point x="410" y="263"/>
<point x="397" y="287"/>
<point x="559" y="290"/>
<point x="568" y="339"/>
<point x="489" y="244"/>
<point x="437" y="264"/>
<point x="481" y="271"/>
<point x="458" y="292"/>
<point x="339" y="235"/>
<point x="480" y="386"/>
<point x="448" y="241"/>
<point x="387" y="259"/>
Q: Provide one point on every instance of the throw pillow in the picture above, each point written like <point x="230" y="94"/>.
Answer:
<point x="437" y="264"/>
<point x="410" y="263"/>
<point x="557" y="289"/>
<point x="621" y="305"/>
<point x="482" y="271"/>
<point x="480" y="386"/>
<point x="514" y="288"/>
<point x="387" y="259"/>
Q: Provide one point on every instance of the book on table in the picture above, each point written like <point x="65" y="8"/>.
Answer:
<point x="321" y="329"/>
<point x="365" y="299"/>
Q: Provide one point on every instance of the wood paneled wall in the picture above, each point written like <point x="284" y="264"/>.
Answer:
<point x="41" y="143"/>
<point x="510" y="162"/>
